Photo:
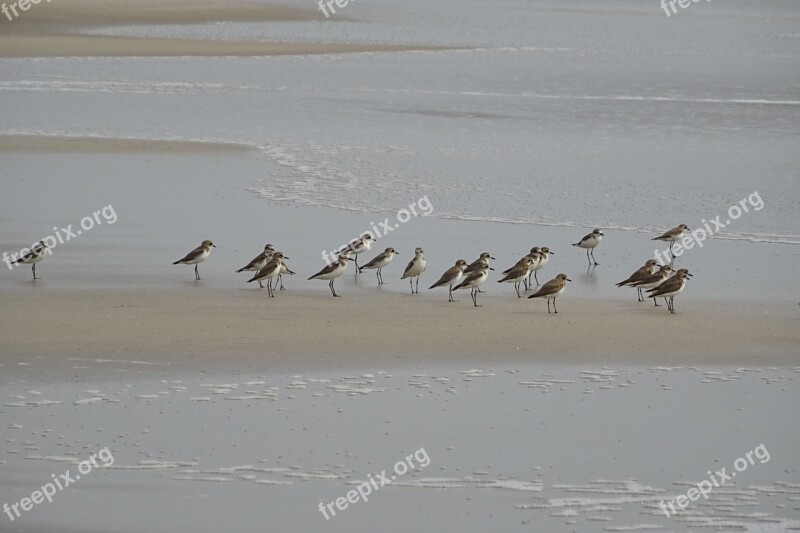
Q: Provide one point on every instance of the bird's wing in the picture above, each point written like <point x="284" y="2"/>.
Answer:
<point x="377" y="259"/>
<point x="327" y="270"/>
<point x="256" y="259"/>
<point x="410" y="265"/>
<point x="671" y="285"/>
<point x="551" y="287"/>
<point x="448" y="275"/>
<point x="194" y="254"/>
<point x="636" y="276"/>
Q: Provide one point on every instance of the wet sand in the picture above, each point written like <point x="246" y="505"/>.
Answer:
<point x="54" y="144"/>
<point x="65" y="29"/>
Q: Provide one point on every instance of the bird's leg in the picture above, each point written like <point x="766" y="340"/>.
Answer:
<point x="554" y="305"/>
<point x="450" y="294"/>
<point x="196" y="273"/>
<point x="411" y="282"/>
<point x="548" y="306"/>
<point x="34" y="271"/>
<point x="595" y="260"/>
<point x="516" y="287"/>
<point x="655" y="301"/>
<point x="280" y="278"/>
<point x="417" y="284"/>
<point x="333" y="291"/>
<point x="536" y="277"/>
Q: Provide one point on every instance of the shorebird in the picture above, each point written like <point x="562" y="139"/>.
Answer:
<point x="647" y="270"/>
<point x="359" y="246"/>
<point x="334" y="270"/>
<point x="284" y="270"/>
<point x="672" y="236"/>
<point x="518" y="273"/>
<point x="474" y="280"/>
<point x="450" y="277"/>
<point x="552" y="290"/>
<point x="259" y="261"/>
<point x="670" y="288"/>
<point x="654" y="280"/>
<point x="478" y="263"/>
<point x="590" y="242"/>
<point x="33" y="256"/>
<point x="197" y="256"/>
<point x="543" y="259"/>
<point x="415" y="268"/>
<point x="271" y="270"/>
<point x="380" y="261"/>
<point x="534" y="256"/>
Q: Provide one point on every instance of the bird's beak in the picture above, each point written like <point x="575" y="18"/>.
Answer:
<point x="286" y="257"/>
<point x="213" y="245"/>
<point x="569" y="279"/>
<point x="493" y="258"/>
<point x="490" y="268"/>
<point x="552" y="253"/>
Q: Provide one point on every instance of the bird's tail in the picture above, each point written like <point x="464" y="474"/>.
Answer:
<point x="177" y="262"/>
<point x="576" y="244"/>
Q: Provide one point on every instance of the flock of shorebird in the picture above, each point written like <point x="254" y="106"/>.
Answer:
<point x="270" y="265"/>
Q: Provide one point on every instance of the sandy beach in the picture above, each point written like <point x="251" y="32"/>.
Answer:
<point x="306" y="330"/>
<point x="212" y="406"/>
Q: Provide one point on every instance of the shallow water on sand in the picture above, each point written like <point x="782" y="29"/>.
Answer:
<point x="545" y="119"/>
<point x="592" y="449"/>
